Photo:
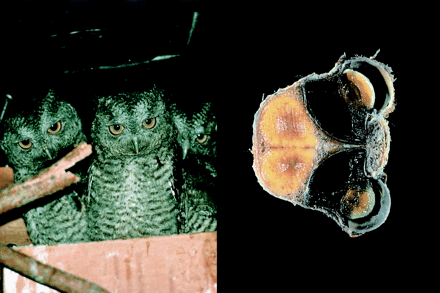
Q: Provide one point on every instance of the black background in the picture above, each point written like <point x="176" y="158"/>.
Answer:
<point x="237" y="55"/>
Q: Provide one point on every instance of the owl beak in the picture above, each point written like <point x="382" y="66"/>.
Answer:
<point x="185" y="149"/>
<point x="135" y="144"/>
<point x="47" y="152"/>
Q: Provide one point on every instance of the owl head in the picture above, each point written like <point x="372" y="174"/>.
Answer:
<point x="197" y="132"/>
<point x="34" y="133"/>
<point x="132" y="123"/>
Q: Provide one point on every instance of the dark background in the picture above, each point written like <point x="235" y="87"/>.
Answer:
<point x="237" y="55"/>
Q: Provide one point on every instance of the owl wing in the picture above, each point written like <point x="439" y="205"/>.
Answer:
<point x="198" y="199"/>
<point x="61" y="220"/>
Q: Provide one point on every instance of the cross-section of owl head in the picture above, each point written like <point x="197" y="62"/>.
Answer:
<point x="36" y="131"/>
<point x="131" y="123"/>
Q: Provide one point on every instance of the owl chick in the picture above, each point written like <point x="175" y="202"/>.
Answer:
<point x="197" y="134"/>
<point x="197" y="140"/>
<point x="132" y="175"/>
<point x="34" y="137"/>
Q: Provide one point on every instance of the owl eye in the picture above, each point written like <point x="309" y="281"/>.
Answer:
<point x="116" y="129"/>
<point x="55" y="128"/>
<point x="25" y="144"/>
<point x="201" y="138"/>
<point x="149" y="123"/>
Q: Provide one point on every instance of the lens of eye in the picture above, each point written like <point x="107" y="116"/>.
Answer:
<point x="149" y="123"/>
<point x="201" y="138"/>
<point x="116" y="129"/>
<point x="25" y="144"/>
<point x="358" y="204"/>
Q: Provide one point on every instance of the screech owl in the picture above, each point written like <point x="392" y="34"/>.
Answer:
<point x="34" y="137"/>
<point x="197" y="140"/>
<point x="133" y="172"/>
<point x="197" y="134"/>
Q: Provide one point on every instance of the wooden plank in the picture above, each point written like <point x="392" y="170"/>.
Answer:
<point x="176" y="263"/>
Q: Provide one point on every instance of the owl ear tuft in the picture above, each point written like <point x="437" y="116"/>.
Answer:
<point x="50" y="95"/>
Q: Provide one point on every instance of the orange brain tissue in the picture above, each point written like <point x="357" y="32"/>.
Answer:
<point x="290" y="143"/>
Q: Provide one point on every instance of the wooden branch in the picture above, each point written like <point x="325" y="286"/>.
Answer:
<point x="45" y="274"/>
<point x="47" y="182"/>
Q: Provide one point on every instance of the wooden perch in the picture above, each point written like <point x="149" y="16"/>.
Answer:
<point x="47" y="182"/>
<point x="45" y="274"/>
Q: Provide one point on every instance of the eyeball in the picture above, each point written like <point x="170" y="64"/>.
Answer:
<point x="202" y="138"/>
<point x="25" y="144"/>
<point x="55" y="128"/>
<point x="116" y="129"/>
<point x="149" y="123"/>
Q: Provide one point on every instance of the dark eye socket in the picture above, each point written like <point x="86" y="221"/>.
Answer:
<point x="116" y="129"/>
<point x="149" y="123"/>
<point x="202" y="138"/>
<point x="25" y="144"/>
<point x="55" y="128"/>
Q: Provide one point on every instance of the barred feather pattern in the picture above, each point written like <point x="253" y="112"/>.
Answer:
<point x="132" y="197"/>
<point x="198" y="198"/>
<point x="199" y="214"/>
<point x="60" y="221"/>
